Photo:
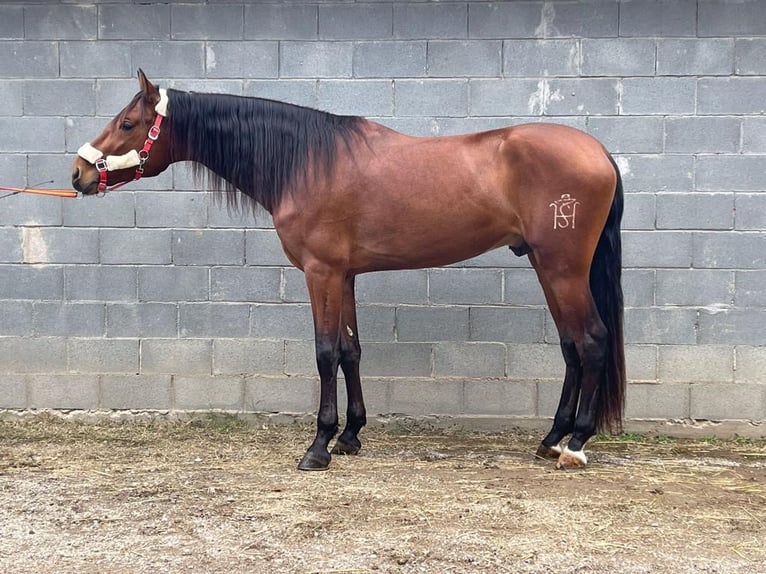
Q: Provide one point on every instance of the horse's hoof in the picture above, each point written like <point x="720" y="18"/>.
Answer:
<point x="571" y="459"/>
<point x="548" y="451"/>
<point x="343" y="447"/>
<point x="315" y="461"/>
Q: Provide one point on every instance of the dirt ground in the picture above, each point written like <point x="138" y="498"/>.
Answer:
<point x="218" y="495"/>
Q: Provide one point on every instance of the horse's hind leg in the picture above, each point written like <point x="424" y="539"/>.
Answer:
<point x="350" y="353"/>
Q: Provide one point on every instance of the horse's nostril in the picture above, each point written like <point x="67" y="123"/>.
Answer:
<point x="76" y="174"/>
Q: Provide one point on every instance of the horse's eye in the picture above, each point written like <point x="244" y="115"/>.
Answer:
<point x="126" y="126"/>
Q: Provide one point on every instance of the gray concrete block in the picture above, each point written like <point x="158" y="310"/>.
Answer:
<point x="507" y="324"/>
<point x="640" y="211"/>
<point x="731" y="326"/>
<point x="657" y="249"/>
<point x="689" y="57"/>
<point x="242" y="59"/>
<point x="731" y="172"/>
<point x="101" y="356"/>
<point x="414" y="21"/>
<point x="727" y="96"/>
<point x="426" y="397"/>
<point x="170" y="59"/>
<point x="43" y="282"/>
<point x="12" y="94"/>
<point x="103" y="59"/>
<point x="535" y="362"/>
<point x="638" y="287"/>
<point x="624" y="134"/>
<point x="32" y="134"/>
<point x="505" y="20"/>
<point x="208" y="247"/>
<point x="263" y="247"/>
<point x="725" y="250"/>
<point x="749" y="289"/>
<point x="134" y="22"/>
<point x="10" y="245"/>
<point x="11" y="22"/>
<point x="69" y="319"/>
<point x="67" y="22"/>
<point x="252" y="284"/>
<point x="355" y="21"/>
<point x="695" y="211"/>
<point x="652" y="173"/>
<point x="464" y="58"/>
<point x="750" y="56"/>
<point x="473" y="360"/>
<point x="389" y="59"/>
<point x="139" y="392"/>
<point x="694" y="287"/>
<point x="204" y="22"/>
<point x="280" y="22"/>
<point x="660" y="325"/>
<point x="299" y="92"/>
<point x="33" y="355"/>
<point x="410" y="286"/>
<point x="657" y="401"/>
<point x="16" y="318"/>
<point x="316" y="59"/>
<point x="533" y="58"/>
<point x="431" y="97"/>
<point x="207" y="393"/>
<point x="29" y="59"/>
<point x="62" y="392"/>
<point x="176" y="356"/>
<point x="500" y="398"/>
<point x="658" y="96"/>
<point x="641" y="363"/>
<point x="500" y="97"/>
<point x="214" y="320"/>
<point x="725" y="18"/>
<point x="140" y="320"/>
<point x="696" y="363"/>
<point x="58" y="98"/>
<point x="376" y="323"/>
<point x="356" y="97"/>
<point x="719" y="401"/>
<point x="177" y="209"/>
<point x="173" y="284"/>
<point x="465" y="285"/>
<point x="597" y="19"/>
<point x="282" y="321"/>
<point x="135" y="247"/>
<point x="522" y="288"/>
<point x="292" y="395"/>
<point x="60" y="245"/>
<point x="97" y="283"/>
<point x="248" y="357"/>
<point x="618" y="57"/>
<point x="432" y="323"/>
<point x="658" y="18"/>
<point x="113" y="95"/>
<point x="705" y="134"/>
<point x="754" y="135"/>
<point x="300" y="358"/>
<point x="28" y="209"/>
<point x="395" y="360"/>
<point x="112" y="210"/>
<point x="13" y="388"/>
<point x="294" y="288"/>
<point x="750" y="364"/>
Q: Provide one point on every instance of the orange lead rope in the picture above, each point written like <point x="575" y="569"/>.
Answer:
<point x="54" y="192"/>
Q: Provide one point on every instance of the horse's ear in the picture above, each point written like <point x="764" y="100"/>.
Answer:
<point x="148" y="89"/>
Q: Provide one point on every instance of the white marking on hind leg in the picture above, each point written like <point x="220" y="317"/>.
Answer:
<point x="579" y="455"/>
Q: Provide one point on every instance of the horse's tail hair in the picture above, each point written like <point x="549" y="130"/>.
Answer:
<point x="606" y="287"/>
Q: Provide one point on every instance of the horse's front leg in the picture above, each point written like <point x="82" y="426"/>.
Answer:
<point x="326" y="292"/>
<point x="350" y="353"/>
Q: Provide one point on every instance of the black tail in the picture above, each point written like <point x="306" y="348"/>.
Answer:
<point x="606" y="287"/>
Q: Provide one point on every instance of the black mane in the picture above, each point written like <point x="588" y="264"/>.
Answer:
<point x="257" y="146"/>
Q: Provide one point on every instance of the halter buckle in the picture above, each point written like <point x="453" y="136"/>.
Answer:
<point x="100" y="164"/>
<point x="154" y="132"/>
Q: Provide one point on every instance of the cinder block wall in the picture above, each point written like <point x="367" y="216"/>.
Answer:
<point x="155" y="297"/>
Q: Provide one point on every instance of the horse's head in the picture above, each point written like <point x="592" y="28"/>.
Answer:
<point x="121" y="153"/>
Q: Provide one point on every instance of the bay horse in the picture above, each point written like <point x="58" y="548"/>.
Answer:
<point x="350" y="196"/>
